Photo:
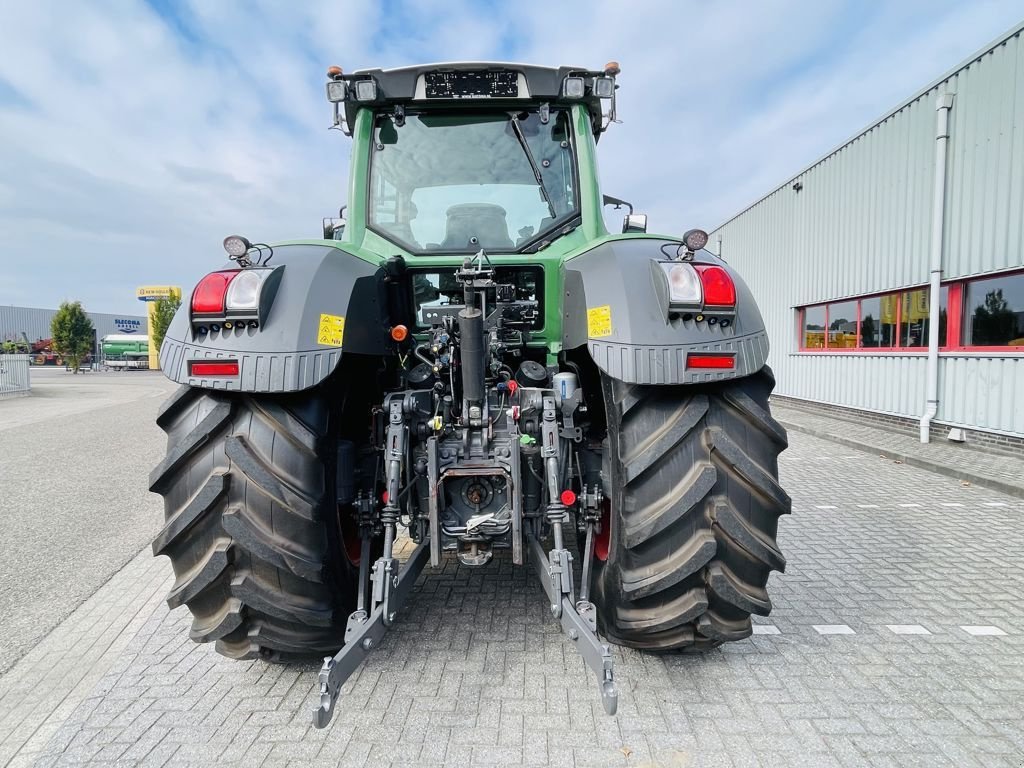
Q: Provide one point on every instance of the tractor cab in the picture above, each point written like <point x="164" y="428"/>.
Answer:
<point x="469" y="156"/>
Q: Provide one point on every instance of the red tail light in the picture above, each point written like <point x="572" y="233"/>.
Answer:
<point x="710" y="361"/>
<point x="719" y="290"/>
<point x="218" y="368"/>
<point x="208" y="297"/>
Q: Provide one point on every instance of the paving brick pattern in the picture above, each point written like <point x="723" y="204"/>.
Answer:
<point x="1000" y="471"/>
<point x="477" y="674"/>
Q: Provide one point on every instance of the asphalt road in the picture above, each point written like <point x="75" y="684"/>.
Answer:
<point x="74" y="504"/>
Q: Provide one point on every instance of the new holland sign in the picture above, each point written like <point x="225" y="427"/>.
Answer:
<point x="156" y="292"/>
<point x="152" y="294"/>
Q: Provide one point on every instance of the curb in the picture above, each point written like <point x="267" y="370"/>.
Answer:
<point x="914" y="461"/>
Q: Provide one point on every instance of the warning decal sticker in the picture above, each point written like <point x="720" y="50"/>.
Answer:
<point x="332" y="330"/>
<point x="599" y="321"/>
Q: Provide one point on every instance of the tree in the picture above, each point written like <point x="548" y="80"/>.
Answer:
<point x="73" y="333"/>
<point x="994" y="322"/>
<point x="163" y="313"/>
<point x="867" y="332"/>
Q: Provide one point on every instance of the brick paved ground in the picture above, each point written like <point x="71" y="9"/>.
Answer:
<point x="864" y="661"/>
<point x="999" y="471"/>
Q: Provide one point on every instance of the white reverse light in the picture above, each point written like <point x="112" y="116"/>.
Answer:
<point x="244" y="289"/>
<point x="684" y="285"/>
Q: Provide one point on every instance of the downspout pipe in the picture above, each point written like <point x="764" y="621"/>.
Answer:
<point x="943" y="104"/>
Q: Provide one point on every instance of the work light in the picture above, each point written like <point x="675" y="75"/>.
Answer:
<point x="236" y="246"/>
<point x="366" y="90"/>
<point x="604" y="87"/>
<point x="336" y="90"/>
<point x="572" y="88"/>
<point x="695" y="239"/>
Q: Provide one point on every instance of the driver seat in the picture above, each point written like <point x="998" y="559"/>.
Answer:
<point x="484" y="221"/>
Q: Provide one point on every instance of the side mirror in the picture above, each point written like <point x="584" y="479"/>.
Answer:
<point x="333" y="228"/>
<point x="634" y="222"/>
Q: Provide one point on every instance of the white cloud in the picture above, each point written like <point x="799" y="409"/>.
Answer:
<point x="129" y="146"/>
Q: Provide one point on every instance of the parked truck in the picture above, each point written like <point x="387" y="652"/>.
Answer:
<point x="476" y="361"/>
<point x="124" y="351"/>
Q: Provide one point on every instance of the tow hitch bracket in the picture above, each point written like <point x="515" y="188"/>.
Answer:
<point x="578" y="619"/>
<point x="365" y="631"/>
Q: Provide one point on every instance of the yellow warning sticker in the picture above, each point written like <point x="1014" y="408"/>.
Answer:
<point x="332" y="330"/>
<point x="599" y="321"/>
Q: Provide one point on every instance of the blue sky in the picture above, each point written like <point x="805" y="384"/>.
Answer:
<point x="135" y="135"/>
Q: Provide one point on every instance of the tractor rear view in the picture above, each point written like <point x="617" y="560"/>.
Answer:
<point x="472" y="359"/>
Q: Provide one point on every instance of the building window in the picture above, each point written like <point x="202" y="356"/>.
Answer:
<point x="842" y="325"/>
<point x="814" y="328"/>
<point x="994" y="312"/>
<point x="914" y="317"/>
<point x="985" y="314"/>
<point x="878" y="321"/>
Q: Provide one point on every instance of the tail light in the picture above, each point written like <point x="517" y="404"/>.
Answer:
<point x="235" y="296"/>
<point x="208" y="297"/>
<point x="719" y="290"/>
<point x="710" y="361"/>
<point x="216" y="368"/>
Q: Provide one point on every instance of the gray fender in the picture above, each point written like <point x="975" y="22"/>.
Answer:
<point x="283" y="355"/>
<point x="645" y="346"/>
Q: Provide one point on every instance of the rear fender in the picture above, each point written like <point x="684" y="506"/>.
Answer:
<point x="319" y="283"/>
<point x="614" y="306"/>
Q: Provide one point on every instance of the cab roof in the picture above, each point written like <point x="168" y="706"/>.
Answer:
<point x="462" y="84"/>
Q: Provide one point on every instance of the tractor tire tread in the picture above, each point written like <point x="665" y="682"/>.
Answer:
<point x="691" y="474"/>
<point x="246" y="509"/>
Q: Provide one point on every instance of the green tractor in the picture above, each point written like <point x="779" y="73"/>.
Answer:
<point x="473" y="362"/>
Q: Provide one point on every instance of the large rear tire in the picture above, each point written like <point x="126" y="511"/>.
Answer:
<point x="252" y="522"/>
<point x="691" y="477"/>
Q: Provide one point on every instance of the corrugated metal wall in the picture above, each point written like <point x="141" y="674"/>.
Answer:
<point x="35" y="323"/>
<point x="861" y="224"/>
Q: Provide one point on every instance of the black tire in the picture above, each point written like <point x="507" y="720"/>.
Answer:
<point x="691" y="477"/>
<point x="252" y="522"/>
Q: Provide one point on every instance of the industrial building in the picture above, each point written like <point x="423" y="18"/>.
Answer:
<point x="17" y="323"/>
<point x="845" y="259"/>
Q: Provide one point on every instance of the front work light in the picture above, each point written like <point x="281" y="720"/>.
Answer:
<point x="336" y="90"/>
<point x="684" y="286"/>
<point x="572" y="88"/>
<point x="366" y="90"/>
<point x="604" y="87"/>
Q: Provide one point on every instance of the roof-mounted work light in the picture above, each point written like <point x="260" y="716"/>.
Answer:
<point x="366" y="90"/>
<point x="573" y="87"/>
<point x="336" y="91"/>
<point x="604" y="87"/>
